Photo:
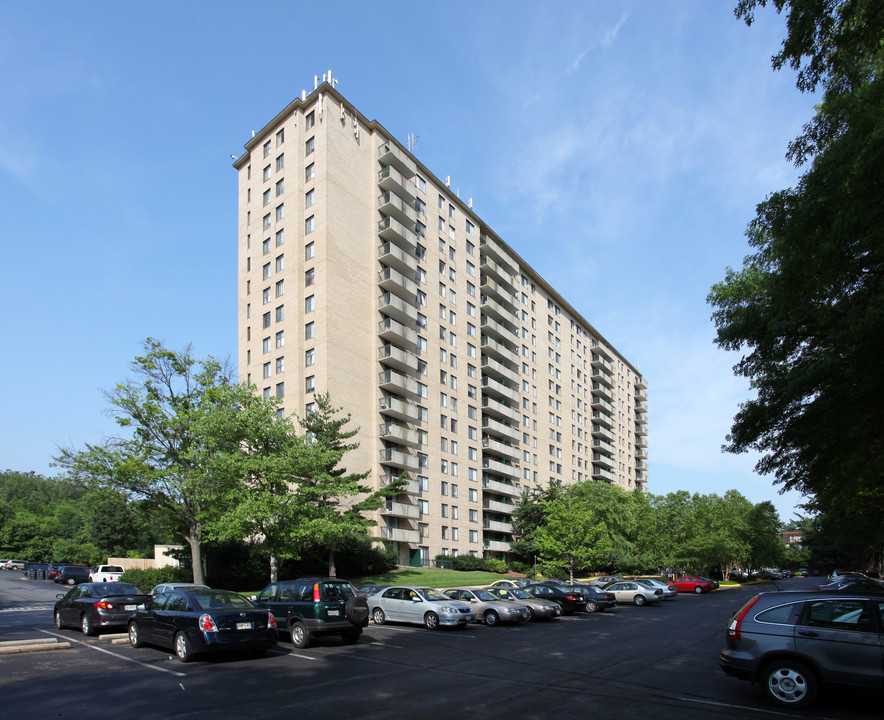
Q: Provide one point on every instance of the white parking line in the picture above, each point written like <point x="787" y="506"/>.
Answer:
<point x="113" y="654"/>
<point x="765" y="711"/>
<point x="303" y="657"/>
<point x="25" y="608"/>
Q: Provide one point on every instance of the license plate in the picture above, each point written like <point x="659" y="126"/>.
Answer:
<point x="334" y="612"/>
<point x="131" y="608"/>
<point x="244" y="626"/>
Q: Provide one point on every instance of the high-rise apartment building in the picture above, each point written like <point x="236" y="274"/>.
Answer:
<point x="362" y="274"/>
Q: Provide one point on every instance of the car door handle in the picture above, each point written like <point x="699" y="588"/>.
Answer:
<point x="808" y="633"/>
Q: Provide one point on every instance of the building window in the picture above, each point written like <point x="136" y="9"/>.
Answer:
<point x="267" y="149"/>
<point x="280" y="162"/>
<point x="280" y="137"/>
<point x="265" y="345"/>
<point x="280" y="212"/>
<point x="309" y="224"/>
<point x="265" y="247"/>
<point x="280" y="313"/>
<point x="310" y="383"/>
<point x="266" y="320"/>
<point x="309" y="331"/>
<point x="309" y="277"/>
<point x="420" y="183"/>
<point x="266" y="370"/>
<point x="474" y="536"/>
<point x="309" y="146"/>
<point x="310" y="172"/>
<point x="310" y="357"/>
<point x="280" y="237"/>
<point x="309" y="198"/>
<point x="309" y="303"/>
<point x="423" y="507"/>
<point x="265" y="175"/>
<point x="266" y="393"/>
<point x="280" y="288"/>
<point x="280" y="263"/>
<point x="280" y="390"/>
<point x="280" y="187"/>
<point x="280" y="339"/>
<point x="309" y="251"/>
<point x="266" y="197"/>
<point x="266" y="295"/>
<point x="310" y="120"/>
<point x="280" y="364"/>
<point x="265" y="271"/>
<point x="266" y="222"/>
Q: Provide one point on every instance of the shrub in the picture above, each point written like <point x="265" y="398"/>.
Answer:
<point x="445" y="562"/>
<point x="468" y="562"/>
<point x="495" y="565"/>
<point x="145" y="580"/>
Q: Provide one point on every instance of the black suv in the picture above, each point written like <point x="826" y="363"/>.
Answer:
<point x="308" y="607"/>
<point x="792" y="642"/>
<point x="72" y="574"/>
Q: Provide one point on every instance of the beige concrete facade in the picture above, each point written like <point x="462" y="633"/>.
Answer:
<point x="361" y="274"/>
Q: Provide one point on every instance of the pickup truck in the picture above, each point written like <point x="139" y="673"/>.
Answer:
<point x="106" y="573"/>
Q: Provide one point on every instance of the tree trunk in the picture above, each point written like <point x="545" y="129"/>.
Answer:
<point x="195" y="540"/>
<point x="331" y="563"/>
<point x="274" y="568"/>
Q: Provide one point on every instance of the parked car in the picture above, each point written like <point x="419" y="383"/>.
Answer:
<point x="836" y="575"/>
<point x="366" y="590"/>
<point x="201" y="620"/>
<point x="106" y="573"/>
<point x="512" y="582"/>
<point x="15" y="565"/>
<point x="312" y="606"/>
<point x="854" y="584"/>
<point x="72" y="574"/>
<point x="691" y="583"/>
<point x="489" y="609"/>
<point x="569" y="600"/>
<point x="670" y="592"/>
<point x="93" y="607"/>
<point x="419" y="605"/>
<point x="604" y="580"/>
<point x="794" y="642"/>
<point x="53" y="569"/>
<point x="631" y="591"/>
<point x="715" y="584"/>
<point x="596" y="598"/>
<point x="538" y="609"/>
<point x="168" y="587"/>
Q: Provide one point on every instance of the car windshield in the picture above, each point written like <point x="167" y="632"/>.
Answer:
<point x="483" y="595"/>
<point x="430" y="594"/>
<point x="219" y="599"/>
<point x="519" y="593"/>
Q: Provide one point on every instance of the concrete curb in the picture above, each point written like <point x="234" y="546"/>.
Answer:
<point x="13" y="647"/>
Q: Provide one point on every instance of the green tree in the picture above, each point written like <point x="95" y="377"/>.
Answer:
<point x="806" y="310"/>
<point x="166" y="409"/>
<point x="570" y="537"/>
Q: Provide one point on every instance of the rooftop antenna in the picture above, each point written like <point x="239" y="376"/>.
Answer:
<point x="316" y="81"/>
<point x="332" y="81"/>
<point x="412" y="142"/>
<point x="470" y="203"/>
<point x="448" y="181"/>
<point x="253" y="133"/>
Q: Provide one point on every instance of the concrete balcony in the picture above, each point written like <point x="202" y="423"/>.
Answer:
<point x="392" y="230"/>
<point x="411" y="485"/>
<point x="641" y="384"/>
<point x="641" y="418"/>
<point x="494" y="289"/>
<point x="398" y="384"/>
<point x="494" y="368"/>
<point x="641" y="442"/>
<point x="599" y="361"/>
<point x="602" y="431"/>
<point x="402" y="535"/>
<point x="602" y="418"/>
<point x="501" y="488"/>
<point x="494" y="407"/>
<point x="599" y="473"/>
<point x="641" y="395"/>
<point x="391" y="205"/>
<point x="600" y="349"/>
<point x="496" y="545"/>
<point x="491" y="386"/>
<point x="493" y="427"/>
<point x="398" y="458"/>
<point x="603" y="460"/>
<point x="395" y="307"/>
<point x="492" y="445"/>
<point x="496" y="467"/>
<point x="599" y="403"/>
<point x="641" y="407"/>
<point x="599" y="375"/>
<point x="394" y="432"/>
<point x="600" y="443"/>
<point x="389" y="178"/>
<point x="497" y="505"/>
<point x="395" y="357"/>
<point x="640" y="453"/>
<point x="394" y="256"/>
<point x="495" y="329"/>
<point x="399" y="409"/>
<point x="500" y="312"/>
<point x="501" y="351"/>
<point x="395" y="332"/>
<point x="497" y="526"/>
<point x="390" y="154"/>
<point x="401" y="510"/>
<point x="491" y="248"/>
<point x="641" y="430"/>
<point x="497" y="272"/>
<point x="603" y="390"/>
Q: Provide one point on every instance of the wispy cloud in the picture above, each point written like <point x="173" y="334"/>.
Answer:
<point x="611" y="33"/>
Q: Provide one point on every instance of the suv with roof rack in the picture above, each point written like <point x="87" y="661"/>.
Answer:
<point x="313" y="606"/>
<point x="793" y="642"/>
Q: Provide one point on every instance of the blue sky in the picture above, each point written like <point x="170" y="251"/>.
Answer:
<point x="619" y="147"/>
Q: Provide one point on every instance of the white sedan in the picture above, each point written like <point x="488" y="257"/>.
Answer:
<point x="629" y="591"/>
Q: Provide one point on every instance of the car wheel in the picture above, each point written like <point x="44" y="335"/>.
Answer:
<point x="532" y="616"/>
<point x="789" y="684"/>
<point x="134" y="638"/>
<point x="350" y="637"/>
<point x="300" y="635"/>
<point x="58" y="623"/>
<point x="378" y="616"/>
<point x="356" y="611"/>
<point x="591" y="607"/>
<point x="639" y="600"/>
<point x="698" y="589"/>
<point x="70" y="581"/>
<point x="86" y="626"/>
<point x="182" y="648"/>
<point x="431" y="621"/>
<point x="491" y="618"/>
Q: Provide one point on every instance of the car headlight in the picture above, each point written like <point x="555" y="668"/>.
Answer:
<point x="448" y="609"/>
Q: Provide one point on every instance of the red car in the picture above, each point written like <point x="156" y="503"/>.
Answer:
<point x="690" y="583"/>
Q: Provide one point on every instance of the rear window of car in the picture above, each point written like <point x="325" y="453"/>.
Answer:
<point x="336" y="591"/>
<point x="112" y="569"/>
<point x="212" y="599"/>
<point x="780" y="615"/>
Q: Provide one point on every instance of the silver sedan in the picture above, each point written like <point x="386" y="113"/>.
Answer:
<point x="538" y="608"/>
<point x="630" y="591"/>
<point x="489" y="609"/>
<point x="669" y="591"/>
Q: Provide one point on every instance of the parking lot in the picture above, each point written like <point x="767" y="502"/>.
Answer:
<point x="655" y="661"/>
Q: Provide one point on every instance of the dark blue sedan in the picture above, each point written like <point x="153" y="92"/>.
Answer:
<point x="202" y="620"/>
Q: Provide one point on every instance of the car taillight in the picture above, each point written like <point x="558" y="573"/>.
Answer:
<point x="736" y="623"/>
<point x="316" y="597"/>
<point x="103" y="605"/>
<point x="271" y="622"/>
<point x="206" y="624"/>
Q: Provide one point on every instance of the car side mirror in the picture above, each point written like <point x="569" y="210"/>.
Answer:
<point x="59" y="596"/>
<point x="254" y="598"/>
<point x="415" y="599"/>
